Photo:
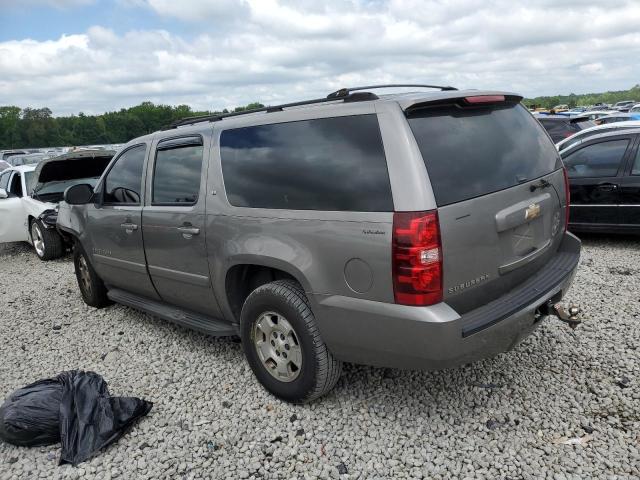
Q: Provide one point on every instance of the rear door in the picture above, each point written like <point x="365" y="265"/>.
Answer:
<point x="630" y="201"/>
<point x="594" y="170"/>
<point x="114" y="224"/>
<point x="499" y="187"/>
<point x="173" y="224"/>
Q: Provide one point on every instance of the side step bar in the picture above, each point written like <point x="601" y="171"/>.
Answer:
<point x="195" y="321"/>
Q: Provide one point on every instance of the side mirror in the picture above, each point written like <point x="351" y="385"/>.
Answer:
<point x="78" y="194"/>
<point x="3" y="193"/>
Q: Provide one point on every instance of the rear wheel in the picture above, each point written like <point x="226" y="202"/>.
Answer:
<point x="93" y="291"/>
<point x="47" y="242"/>
<point x="283" y="345"/>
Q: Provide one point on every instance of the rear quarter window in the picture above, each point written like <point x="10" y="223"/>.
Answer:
<point x="333" y="164"/>
<point x="474" y="152"/>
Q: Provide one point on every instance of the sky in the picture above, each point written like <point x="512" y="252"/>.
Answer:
<point x="93" y="56"/>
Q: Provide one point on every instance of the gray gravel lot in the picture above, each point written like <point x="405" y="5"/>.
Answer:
<point x="500" y="418"/>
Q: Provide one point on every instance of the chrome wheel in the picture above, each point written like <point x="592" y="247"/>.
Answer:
<point x="278" y="347"/>
<point x="84" y="276"/>
<point x="36" y="238"/>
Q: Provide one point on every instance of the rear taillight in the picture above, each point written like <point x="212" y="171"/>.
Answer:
<point x="567" y="198"/>
<point x="417" y="258"/>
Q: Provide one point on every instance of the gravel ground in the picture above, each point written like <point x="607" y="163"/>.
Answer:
<point x="501" y="418"/>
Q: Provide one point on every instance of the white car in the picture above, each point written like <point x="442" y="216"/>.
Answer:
<point x="29" y="197"/>
<point x="583" y="135"/>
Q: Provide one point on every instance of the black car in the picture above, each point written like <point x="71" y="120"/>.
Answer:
<point x="560" y="127"/>
<point x="604" y="179"/>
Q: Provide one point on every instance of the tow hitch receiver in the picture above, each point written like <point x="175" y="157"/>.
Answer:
<point x="570" y="316"/>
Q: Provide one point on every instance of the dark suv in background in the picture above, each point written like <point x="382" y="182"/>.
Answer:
<point x="560" y="127"/>
<point x="415" y="230"/>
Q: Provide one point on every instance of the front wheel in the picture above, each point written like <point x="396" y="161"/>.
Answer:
<point x="47" y="242"/>
<point x="283" y="345"/>
<point x="93" y="291"/>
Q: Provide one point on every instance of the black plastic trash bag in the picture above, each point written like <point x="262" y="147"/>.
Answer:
<point x="74" y="408"/>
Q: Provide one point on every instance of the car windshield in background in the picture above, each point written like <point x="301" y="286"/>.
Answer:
<point x="28" y="180"/>
<point x="473" y="152"/>
<point x="61" y="185"/>
<point x="53" y="191"/>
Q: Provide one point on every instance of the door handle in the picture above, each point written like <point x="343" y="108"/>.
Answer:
<point x="129" y="227"/>
<point x="188" y="232"/>
<point x="607" y="187"/>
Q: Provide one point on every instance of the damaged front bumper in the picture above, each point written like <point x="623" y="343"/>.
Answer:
<point x="49" y="218"/>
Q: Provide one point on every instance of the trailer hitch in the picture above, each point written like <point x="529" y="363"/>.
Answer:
<point x="571" y="316"/>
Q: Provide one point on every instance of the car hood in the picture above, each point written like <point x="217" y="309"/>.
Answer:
<point x="80" y="164"/>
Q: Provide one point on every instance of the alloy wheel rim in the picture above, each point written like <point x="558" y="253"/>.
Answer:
<point x="36" y="238"/>
<point x="278" y="347"/>
<point x="85" y="278"/>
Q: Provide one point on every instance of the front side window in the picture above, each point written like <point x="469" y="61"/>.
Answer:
<point x="124" y="181"/>
<point x="597" y="160"/>
<point x="331" y="164"/>
<point x="15" y="188"/>
<point x="177" y="173"/>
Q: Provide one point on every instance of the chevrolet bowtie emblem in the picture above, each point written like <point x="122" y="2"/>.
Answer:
<point x="532" y="211"/>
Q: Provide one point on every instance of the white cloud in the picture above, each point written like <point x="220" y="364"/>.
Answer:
<point x="280" y="50"/>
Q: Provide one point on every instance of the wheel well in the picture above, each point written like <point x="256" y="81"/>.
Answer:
<point x="244" y="279"/>
<point x="30" y="219"/>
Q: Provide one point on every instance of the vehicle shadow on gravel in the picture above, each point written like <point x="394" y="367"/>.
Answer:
<point x="601" y="239"/>
<point x="23" y="248"/>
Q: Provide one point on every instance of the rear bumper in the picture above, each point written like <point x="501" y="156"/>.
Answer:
<point x="390" y="335"/>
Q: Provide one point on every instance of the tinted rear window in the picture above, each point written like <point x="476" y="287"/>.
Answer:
<point x="473" y="152"/>
<point x="323" y="164"/>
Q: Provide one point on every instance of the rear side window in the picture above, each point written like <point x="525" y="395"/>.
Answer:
<point x="124" y="181"/>
<point x="177" y="172"/>
<point x="323" y="164"/>
<point x="4" y="179"/>
<point x="635" y="170"/>
<point x="473" y="152"/>
<point x="597" y="160"/>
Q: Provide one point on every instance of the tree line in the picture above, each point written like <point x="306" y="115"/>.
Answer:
<point x="586" y="99"/>
<point x="37" y="127"/>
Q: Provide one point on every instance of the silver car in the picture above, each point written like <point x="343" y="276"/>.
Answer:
<point x="415" y="230"/>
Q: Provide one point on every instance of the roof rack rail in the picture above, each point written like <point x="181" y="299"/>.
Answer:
<point x="348" y="97"/>
<point x="354" y="94"/>
<point x="346" y="91"/>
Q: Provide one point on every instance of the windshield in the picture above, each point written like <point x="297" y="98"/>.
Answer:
<point x="60" y="186"/>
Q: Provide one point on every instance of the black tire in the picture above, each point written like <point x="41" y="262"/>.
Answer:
<point x="93" y="291"/>
<point x="46" y="242"/>
<point x="319" y="371"/>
